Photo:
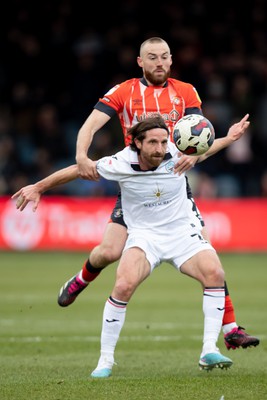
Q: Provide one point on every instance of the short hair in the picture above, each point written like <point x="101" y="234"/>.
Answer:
<point x="138" y="131"/>
<point x="154" y="39"/>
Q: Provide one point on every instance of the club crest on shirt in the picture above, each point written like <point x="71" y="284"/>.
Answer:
<point x="169" y="166"/>
<point x="176" y="100"/>
<point x="118" y="213"/>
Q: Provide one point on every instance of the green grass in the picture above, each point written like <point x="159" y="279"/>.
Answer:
<point x="48" y="352"/>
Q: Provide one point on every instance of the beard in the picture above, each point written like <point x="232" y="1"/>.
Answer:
<point x="157" y="80"/>
<point x="150" y="161"/>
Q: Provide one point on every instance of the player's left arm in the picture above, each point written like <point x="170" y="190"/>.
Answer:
<point x="235" y="132"/>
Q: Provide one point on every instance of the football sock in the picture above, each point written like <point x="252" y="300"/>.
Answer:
<point x="113" y="320"/>
<point x="229" y="314"/>
<point x="213" y="308"/>
<point x="88" y="272"/>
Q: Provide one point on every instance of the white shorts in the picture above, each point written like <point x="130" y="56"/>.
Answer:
<point x="175" y="248"/>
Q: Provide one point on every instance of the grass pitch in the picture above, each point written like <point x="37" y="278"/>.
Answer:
<point x="48" y="352"/>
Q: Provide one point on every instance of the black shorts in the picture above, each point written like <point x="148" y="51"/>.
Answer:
<point x="117" y="214"/>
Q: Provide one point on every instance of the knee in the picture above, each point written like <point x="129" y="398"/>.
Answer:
<point x="219" y="274"/>
<point x="123" y="289"/>
<point x="107" y="253"/>
<point x="216" y="275"/>
<point x="110" y="253"/>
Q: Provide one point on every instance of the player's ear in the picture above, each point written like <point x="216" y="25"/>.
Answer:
<point x="140" y="61"/>
<point x="138" y="143"/>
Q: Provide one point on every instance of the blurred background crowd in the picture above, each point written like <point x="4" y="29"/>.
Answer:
<point x="59" y="57"/>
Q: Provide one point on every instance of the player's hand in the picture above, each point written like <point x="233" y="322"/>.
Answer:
<point x="185" y="163"/>
<point x="237" y="130"/>
<point x="87" y="169"/>
<point x="25" y="195"/>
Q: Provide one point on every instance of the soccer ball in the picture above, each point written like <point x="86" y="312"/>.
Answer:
<point x="193" y="134"/>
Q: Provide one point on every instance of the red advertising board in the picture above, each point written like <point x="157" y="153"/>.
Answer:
<point x="236" y="224"/>
<point x="71" y="223"/>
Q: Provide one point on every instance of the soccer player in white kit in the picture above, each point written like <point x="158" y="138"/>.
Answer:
<point x="160" y="228"/>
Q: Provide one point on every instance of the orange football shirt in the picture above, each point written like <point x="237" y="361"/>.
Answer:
<point x="133" y="100"/>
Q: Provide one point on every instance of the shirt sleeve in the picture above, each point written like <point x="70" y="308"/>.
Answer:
<point x="191" y="96"/>
<point x="111" y="168"/>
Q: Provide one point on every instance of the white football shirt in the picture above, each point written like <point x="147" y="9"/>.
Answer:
<point x="155" y="208"/>
<point x="153" y="200"/>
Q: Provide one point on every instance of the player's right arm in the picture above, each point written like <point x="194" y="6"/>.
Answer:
<point x="33" y="192"/>
<point x="86" y="167"/>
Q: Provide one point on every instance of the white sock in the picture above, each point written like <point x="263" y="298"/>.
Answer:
<point x="228" y="327"/>
<point x="80" y="276"/>
<point x="113" y="320"/>
<point x="213" y="309"/>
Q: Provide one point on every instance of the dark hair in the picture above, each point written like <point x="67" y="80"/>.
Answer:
<point x="139" y="130"/>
